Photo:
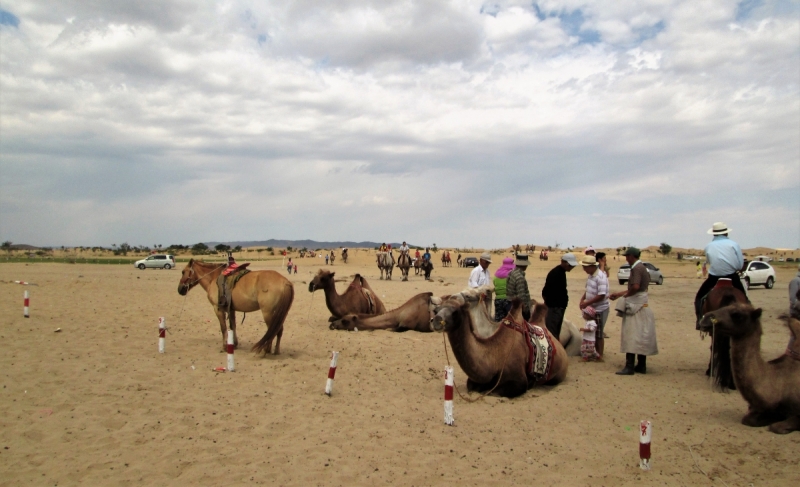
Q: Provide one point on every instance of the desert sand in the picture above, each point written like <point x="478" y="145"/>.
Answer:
<point x="96" y="404"/>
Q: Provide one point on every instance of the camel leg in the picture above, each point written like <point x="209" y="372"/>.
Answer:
<point x="758" y="419"/>
<point x="792" y="423"/>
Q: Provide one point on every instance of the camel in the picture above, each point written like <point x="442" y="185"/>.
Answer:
<point x="719" y="364"/>
<point x="570" y="338"/>
<point x="358" y="298"/>
<point x="415" y="314"/>
<point x="385" y="262"/>
<point x="404" y="263"/>
<point x="333" y="256"/>
<point x="496" y="360"/>
<point x="344" y="256"/>
<point x="771" y="389"/>
<point x="417" y="265"/>
<point x="265" y="290"/>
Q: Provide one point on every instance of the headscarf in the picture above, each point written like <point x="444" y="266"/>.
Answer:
<point x="505" y="269"/>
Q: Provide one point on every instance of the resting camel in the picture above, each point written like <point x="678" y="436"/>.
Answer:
<point x="414" y="315"/>
<point x="404" y="263"/>
<point x="265" y="290"/>
<point x="496" y="360"/>
<point x="358" y="298"/>
<point x="771" y="389"/>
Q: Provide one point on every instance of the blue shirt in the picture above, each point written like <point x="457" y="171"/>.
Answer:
<point x="724" y="256"/>
<point x="426" y="256"/>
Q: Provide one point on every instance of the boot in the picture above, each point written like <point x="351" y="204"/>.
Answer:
<point x="641" y="367"/>
<point x="629" y="360"/>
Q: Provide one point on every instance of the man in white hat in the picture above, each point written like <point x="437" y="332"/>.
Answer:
<point x="725" y="260"/>
<point x="480" y="275"/>
<point x="555" y="293"/>
<point x="517" y="285"/>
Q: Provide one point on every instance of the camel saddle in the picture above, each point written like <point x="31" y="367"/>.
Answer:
<point x="226" y="282"/>
<point x="540" y="349"/>
<point x="356" y="284"/>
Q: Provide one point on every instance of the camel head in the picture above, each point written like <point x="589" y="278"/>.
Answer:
<point x="346" y="322"/>
<point x="445" y="315"/>
<point x="189" y="279"/>
<point x="322" y="279"/>
<point x="736" y="320"/>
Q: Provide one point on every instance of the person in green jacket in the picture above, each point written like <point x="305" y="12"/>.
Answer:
<point x="502" y="305"/>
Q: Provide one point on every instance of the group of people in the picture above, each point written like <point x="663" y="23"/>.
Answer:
<point x="638" y="325"/>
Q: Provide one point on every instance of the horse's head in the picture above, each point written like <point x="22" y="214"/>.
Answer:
<point x="321" y="280"/>
<point x="736" y="320"/>
<point x="189" y="278"/>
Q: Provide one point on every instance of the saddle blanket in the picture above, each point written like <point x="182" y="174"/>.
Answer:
<point x="540" y="349"/>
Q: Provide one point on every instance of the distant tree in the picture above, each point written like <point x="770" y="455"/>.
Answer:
<point x="6" y="246"/>
<point x="269" y="249"/>
<point x="289" y="249"/>
<point x="222" y="248"/>
<point x="238" y="248"/>
<point x="434" y="248"/>
<point x="665" y="249"/>
<point x="199" y="248"/>
<point x="123" y="249"/>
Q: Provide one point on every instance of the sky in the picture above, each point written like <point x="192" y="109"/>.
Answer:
<point x="460" y="123"/>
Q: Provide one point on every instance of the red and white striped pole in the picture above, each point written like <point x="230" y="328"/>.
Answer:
<point x="331" y="373"/>
<point x="162" y="335"/>
<point x="26" y="304"/>
<point x="448" y="396"/>
<point x="230" y="351"/>
<point x="645" y="434"/>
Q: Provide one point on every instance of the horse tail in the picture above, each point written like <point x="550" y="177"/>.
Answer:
<point x="279" y="314"/>
<point x="721" y="370"/>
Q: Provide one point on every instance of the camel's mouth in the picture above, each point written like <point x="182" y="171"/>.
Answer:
<point x="312" y="287"/>
<point x="707" y="323"/>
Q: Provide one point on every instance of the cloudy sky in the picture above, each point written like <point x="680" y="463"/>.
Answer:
<point x="462" y="122"/>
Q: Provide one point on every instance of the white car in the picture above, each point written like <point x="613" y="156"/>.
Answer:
<point x="156" y="261"/>
<point x="758" y="274"/>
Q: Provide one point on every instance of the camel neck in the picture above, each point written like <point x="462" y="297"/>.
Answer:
<point x="749" y="368"/>
<point x="480" y="359"/>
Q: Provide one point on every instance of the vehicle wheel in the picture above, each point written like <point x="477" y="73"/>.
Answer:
<point x="141" y="266"/>
<point x="746" y="283"/>
<point x="167" y="266"/>
<point x="770" y="282"/>
<point x="621" y="282"/>
<point x="660" y="280"/>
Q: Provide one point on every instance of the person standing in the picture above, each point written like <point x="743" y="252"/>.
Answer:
<point x="501" y="304"/>
<point x="705" y="270"/>
<point x="725" y="259"/>
<point x="555" y="293"/>
<point x="480" y="274"/>
<point x="326" y="259"/>
<point x="517" y="285"/>
<point x="794" y="289"/>
<point x="638" y="337"/>
<point x="699" y="270"/>
<point x="596" y="297"/>
<point x="588" y="351"/>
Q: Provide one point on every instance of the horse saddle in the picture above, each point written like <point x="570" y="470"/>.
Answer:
<point x="540" y="349"/>
<point x="226" y="283"/>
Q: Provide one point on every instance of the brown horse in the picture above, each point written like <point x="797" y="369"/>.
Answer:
<point x="494" y="356"/>
<point x="265" y="290"/>
<point x="719" y="365"/>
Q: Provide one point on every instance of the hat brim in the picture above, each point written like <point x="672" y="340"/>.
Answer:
<point x="719" y="232"/>
<point x="588" y="265"/>
<point x="522" y="263"/>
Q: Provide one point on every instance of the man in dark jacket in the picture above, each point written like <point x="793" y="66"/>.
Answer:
<point x="555" y="293"/>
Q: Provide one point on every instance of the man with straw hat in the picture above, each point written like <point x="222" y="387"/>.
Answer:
<point x="725" y="259"/>
<point x="555" y="293"/>
<point x="480" y="275"/>
<point x="517" y="285"/>
<point x="638" y="335"/>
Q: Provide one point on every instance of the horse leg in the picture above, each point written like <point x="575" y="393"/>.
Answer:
<point x="223" y="327"/>
<point x="232" y="325"/>
<point x="278" y="340"/>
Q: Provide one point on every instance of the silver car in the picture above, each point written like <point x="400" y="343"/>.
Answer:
<point x="655" y="275"/>
<point x="156" y="261"/>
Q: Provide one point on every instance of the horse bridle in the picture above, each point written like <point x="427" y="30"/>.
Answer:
<point x="190" y="285"/>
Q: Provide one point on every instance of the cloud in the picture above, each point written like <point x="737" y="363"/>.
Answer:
<point x="456" y="122"/>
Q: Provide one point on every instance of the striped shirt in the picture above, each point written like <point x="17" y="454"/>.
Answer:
<point x="597" y="284"/>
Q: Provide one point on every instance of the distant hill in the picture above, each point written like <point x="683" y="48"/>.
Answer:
<point x="299" y="244"/>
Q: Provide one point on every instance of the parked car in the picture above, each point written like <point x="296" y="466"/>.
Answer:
<point x="758" y="274"/>
<point x="470" y="262"/>
<point x="624" y="273"/>
<point x="156" y="261"/>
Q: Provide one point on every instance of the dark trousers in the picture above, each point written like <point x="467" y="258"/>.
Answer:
<point x="553" y="320"/>
<point x="709" y="284"/>
<point x="501" y="308"/>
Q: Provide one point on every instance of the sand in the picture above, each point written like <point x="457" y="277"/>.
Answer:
<point x="96" y="404"/>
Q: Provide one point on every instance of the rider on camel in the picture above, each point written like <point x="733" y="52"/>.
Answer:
<point x="404" y="248"/>
<point x="382" y="248"/>
<point x="725" y="259"/>
<point x="426" y="257"/>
